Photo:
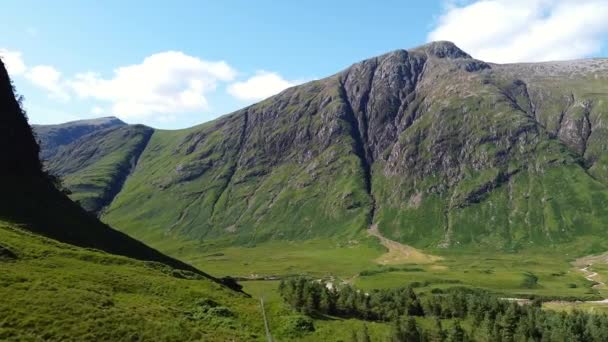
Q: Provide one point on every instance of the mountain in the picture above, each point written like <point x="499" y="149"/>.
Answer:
<point x="435" y="147"/>
<point x="96" y="172"/>
<point x="30" y="199"/>
<point x="68" y="277"/>
<point x="52" y="137"/>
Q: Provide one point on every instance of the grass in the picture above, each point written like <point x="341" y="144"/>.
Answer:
<point x="94" y="171"/>
<point x="571" y="306"/>
<point x="356" y="261"/>
<point x="54" y="291"/>
<point x="315" y="257"/>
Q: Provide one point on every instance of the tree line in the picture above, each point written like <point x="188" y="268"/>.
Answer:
<point x="487" y="317"/>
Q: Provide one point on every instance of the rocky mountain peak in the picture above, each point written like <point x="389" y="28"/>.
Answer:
<point x="443" y="49"/>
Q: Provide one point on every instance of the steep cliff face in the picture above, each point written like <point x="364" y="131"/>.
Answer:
<point x="437" y="148"/>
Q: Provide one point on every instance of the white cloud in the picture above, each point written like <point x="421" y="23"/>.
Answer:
<point x="166" y="82"/>
<point x="260" y="86"/>
<point x="159" y="88"/>
<point x="13" y="62"/>
<point x="505" y="31"/>
<point x="48" y="78"/>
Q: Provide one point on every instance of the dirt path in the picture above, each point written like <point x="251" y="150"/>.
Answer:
<point x="584" y="263"/>
<point x="399" y="253"/>
<point x="589" y="275"/>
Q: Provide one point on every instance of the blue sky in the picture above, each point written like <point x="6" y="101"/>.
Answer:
<point x="180" y="63"/>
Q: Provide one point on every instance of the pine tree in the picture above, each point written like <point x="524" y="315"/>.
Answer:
<point x="405" y="331"/>
<point x="437" y="334"/>
<point x="397" y="331"/>
<point x="509" y="324"/>
<point x="326" y="302"/>
<point x="456" y="333"/>
<point x="412" y="334"/>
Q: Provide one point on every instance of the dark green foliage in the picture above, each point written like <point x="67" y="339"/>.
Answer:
<point x="388" y="269"/>
<point x="296" y="325"/>
<point x="436" y="334"/>
<point x="492" y="319"/>
<point x="405" y="330"/>
<point x="456" y="334"/>
<point x="315" y="297"/>
<point x="529" y="281"/>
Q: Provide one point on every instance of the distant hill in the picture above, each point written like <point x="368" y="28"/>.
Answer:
<point x="52" y="137"/>
<point x="437" y="148"/>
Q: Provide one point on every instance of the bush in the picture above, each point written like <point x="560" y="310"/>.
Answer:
<point x="297" y="325"/>
<point x="529" y="281"/>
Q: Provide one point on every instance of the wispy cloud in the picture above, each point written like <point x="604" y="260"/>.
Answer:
<point x="48" y="78"/>
<point x="159" y="88"/>
<point x="260" y="86"/>
<point x="13" y="61"/>
<point x="524" y="30"/>
<point x="166" y="82"/>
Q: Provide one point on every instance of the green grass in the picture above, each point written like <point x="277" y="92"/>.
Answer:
<point x="94" y="171"/>
<point x="500" y="272"/>
<point x="571" y="306"/>
<point x="54" y="291"/>
<point x="316" y="257"/>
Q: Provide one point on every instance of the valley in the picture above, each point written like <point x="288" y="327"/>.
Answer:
<point x="413" y="190"/>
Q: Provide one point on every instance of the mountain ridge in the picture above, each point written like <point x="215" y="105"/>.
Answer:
<point x="420" y="141"/>
<point x="31" y="200"/>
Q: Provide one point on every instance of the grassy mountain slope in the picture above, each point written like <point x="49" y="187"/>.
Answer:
<point x="53" y="137"/>
<point x="437" y="148"/>
<point x="95" y="166"/>
<point x="58" y="292"/>
<point x="58" y="282"/>
<point x="222" y="182"/>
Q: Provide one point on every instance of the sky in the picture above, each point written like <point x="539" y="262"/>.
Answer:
<point x="175" y="64"/>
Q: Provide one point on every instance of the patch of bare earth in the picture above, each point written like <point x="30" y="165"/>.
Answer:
<point x="399" y="253"/>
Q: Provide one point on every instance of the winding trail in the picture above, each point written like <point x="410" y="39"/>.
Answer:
<point x="582" y="265"/>
<point x="589" y="275"/>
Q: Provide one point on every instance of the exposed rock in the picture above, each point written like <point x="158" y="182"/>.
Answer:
<point x="432" y="145"/>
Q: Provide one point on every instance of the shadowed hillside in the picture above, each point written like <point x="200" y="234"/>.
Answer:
<point x="30" y="198"/>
